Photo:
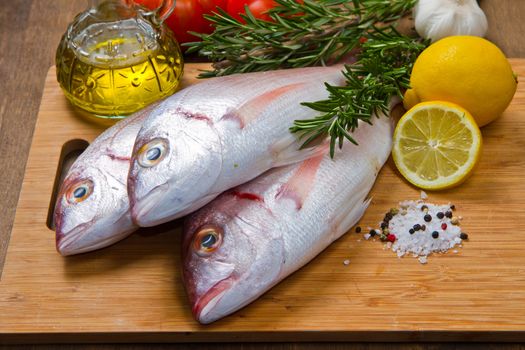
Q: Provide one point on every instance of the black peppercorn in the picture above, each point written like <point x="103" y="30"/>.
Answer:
<point x="384" y="225"/>
<point x="448" y="214"/>
<point x="358" y="229"/>
<point x="435" y="234"/>
<point x="417" y="227"/>
<point x="428" y="218"/>
<point x="440" y="215"/>
<point x="463" y="236"/>
<point x="411" y="231"/>
<point x="372" y="233"/>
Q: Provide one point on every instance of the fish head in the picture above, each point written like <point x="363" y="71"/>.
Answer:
<point x="230" y="255"/>
<point x="176" y="161"/>
<point x="92" y="209"/>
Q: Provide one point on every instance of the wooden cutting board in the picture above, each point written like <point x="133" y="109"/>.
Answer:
<point x="132" y="291"/>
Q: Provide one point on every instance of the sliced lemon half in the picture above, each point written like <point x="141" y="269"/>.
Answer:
<point x="436" y="145"/>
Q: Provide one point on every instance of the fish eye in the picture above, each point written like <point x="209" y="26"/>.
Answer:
<point x="152" y="153"/>
<point x="79" y="191"/>
<point x="207" y="240"/>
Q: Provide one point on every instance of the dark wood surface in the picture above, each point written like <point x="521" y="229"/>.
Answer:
<point x="29" y="33"/>
<point x="267" y="346"/>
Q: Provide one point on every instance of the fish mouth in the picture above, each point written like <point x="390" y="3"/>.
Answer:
<point x="100" y="244"/>
<point x="65" y="240"/>
<point x="203" y="305"/>
<point x="141" y="208"/>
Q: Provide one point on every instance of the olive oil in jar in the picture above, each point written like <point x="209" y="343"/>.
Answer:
<point x="114" y="68"/>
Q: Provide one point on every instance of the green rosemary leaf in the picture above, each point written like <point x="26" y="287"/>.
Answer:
<point x="382" y="71"/>
<point x="319" y="32"/>
<point x="309" y="33"/>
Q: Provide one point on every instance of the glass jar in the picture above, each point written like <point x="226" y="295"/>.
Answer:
<point x="117" y="57"/>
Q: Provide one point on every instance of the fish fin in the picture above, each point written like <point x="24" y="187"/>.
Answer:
<point x="348" y="219"/>
<point x="300" y="184"/>
<point x="252" y="108"/>
<point x="288" y="151"/>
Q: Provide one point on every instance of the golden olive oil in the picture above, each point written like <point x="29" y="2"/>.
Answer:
<point x="113" y="69"/>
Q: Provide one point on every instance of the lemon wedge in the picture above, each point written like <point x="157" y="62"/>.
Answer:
<point x="436" y="145"/>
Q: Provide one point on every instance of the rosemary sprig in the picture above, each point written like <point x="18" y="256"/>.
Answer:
<point x="316" y="32"/>
<point x="381" y="72"/>
<point x="319" y="32"/>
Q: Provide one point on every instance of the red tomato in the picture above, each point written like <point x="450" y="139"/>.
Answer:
<point x="187" y="16"/>
<point x="210" y="6"/>
<point x="257" y="7"/>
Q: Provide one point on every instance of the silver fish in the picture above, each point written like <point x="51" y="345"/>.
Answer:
<point x="250" y="238"/>
<point x="92" y="209"/>
<point x="218" y="134"/>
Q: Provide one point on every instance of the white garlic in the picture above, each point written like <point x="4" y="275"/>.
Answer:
<point x="436" y="19"/>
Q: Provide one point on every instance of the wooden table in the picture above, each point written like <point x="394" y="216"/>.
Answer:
<point x="30" y="31"/>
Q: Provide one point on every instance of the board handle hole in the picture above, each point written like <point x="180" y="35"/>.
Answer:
<point x="69" y="153"/>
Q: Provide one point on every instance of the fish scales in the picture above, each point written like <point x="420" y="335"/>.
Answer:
<point x="248" y="239"/>
<point x="218" y="134"/>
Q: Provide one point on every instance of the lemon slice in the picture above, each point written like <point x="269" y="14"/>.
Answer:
<point x="436" y="145"/>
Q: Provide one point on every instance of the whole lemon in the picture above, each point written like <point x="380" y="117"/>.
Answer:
<point x="467" y="70"/>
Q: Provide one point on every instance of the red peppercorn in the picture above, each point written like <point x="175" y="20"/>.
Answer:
<point x="391" y="237"/>
<point x="443" y="226"/>
<point x="363" y="40"/>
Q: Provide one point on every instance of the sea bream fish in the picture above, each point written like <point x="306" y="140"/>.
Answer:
<point x="248" y="239"/>
<point x="219" y="134"/>
<point x="92" y="209"/>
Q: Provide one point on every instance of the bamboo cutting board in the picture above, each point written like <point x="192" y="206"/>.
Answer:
<point x="132" y="291"/>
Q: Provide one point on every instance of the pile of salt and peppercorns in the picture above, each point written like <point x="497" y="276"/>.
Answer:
<point x="419" y="228"/>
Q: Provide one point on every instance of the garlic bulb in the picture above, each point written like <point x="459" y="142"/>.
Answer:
<point x="436" y="19"/>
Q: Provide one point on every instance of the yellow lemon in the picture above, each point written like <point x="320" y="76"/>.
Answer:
<point x="467" y="70"/>
<point x="436" y="145"/>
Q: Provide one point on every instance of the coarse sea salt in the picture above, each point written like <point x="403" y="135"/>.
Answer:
<point x="421" y="243"/>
